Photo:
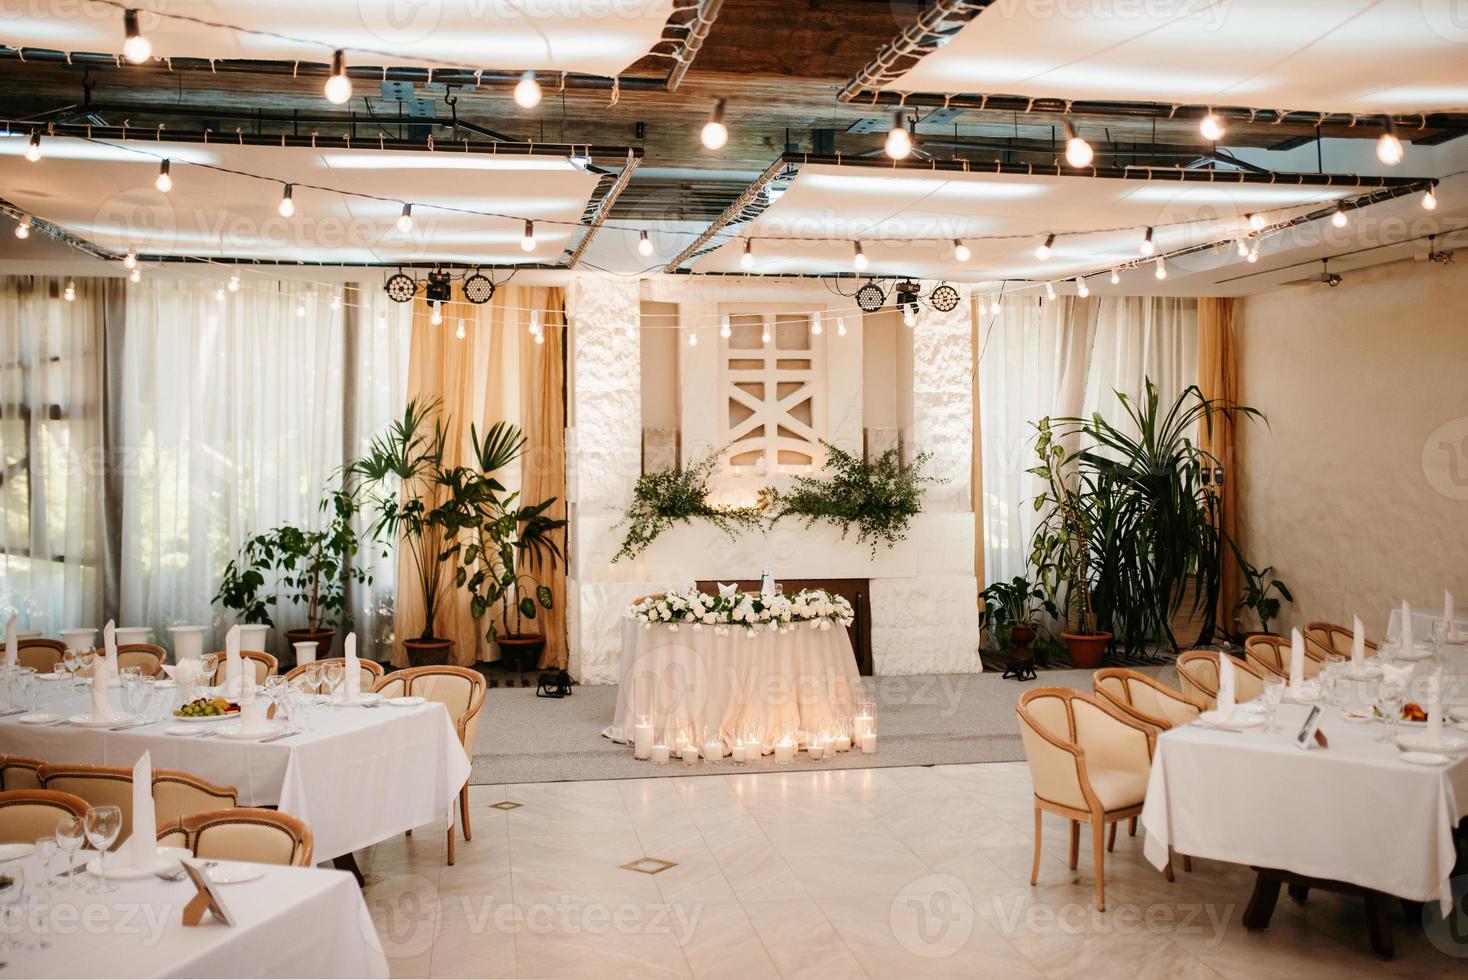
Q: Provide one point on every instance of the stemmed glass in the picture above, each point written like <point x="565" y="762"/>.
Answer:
<point x="70" y="834"/>
<point x="332" y="674"/>
<point x="11" y="891"/>
<point x="208" y="663"/>
<point x="72" y="661"/>
<point x="1389" y="698"/>
<point x="1439" y="635"/>
<point x="103" y="824"/>
<point x="1274" y="690"/>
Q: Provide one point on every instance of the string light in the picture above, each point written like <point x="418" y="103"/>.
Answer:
<point x="724" y="330"/>
<point x="1050" y="290"/>
<point x="1042" y="251"/>
<point x="1161" y="272"/>
<point x="815" y="323"/>
<point x="1388" y="147"/>
<point x="1078" y="152"/>
<point x="1256" y="221"/>
<point x="287" y="203"/>
<point x="841" y="326"/>
<point x="644" y="244"/>
<point x="23" y="227"/>
<point x="692" y="336"/>
<point x="527" y="241"/>
<point x="1429" y="197"/>
<point x="1243" y="248"/>
<point x="1115" y="278"/>
<point x="746" y="260"/>
<point x="527" y="91"/>
<point x="135" y="47"/>
<point x="436" y="316"/>
<point x="33" y="148"/>
<point x="70" y="292"/>
<point x="135" y="276"/>
<point x="234" y="282"/>
<point x="1254" y="253"/>
<point x="1082" y="290"/>
<point x="219" y="293"/>
<point x="405" y="220"/>
<point x="1211" y="127"/>
<point x="765" y="335"/>
<point x="859" y="258"/>
<point x="1338" y="217"/>
<point x="960" y="251"/>
<point x="300" y="309"/>
<point x="130" y="260"/>
<point x="336" y="302"/>
<point x="715" y="134"/>
<point x="535" y="328"/>
<point x="164" y="181"/>
<point x="909" y="315"/>
<point x="460" y="333"/>
<point x="1148" y="248"/>
<point x="338" y="87"/>
<point x="899" y="140"/>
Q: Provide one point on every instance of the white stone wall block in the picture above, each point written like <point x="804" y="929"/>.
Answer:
<point x="925" y="625"/>
<point x="942" y="399"/>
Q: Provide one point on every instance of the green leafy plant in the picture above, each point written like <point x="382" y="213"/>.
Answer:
<point x="878" y="498"/>
<point x="1060" y="549"/>
<point x="662" y="500"/>
<point x="1017" y="602"/>
<point x="1258" y="584"/>
<point x="310" y="568"/>
<point x="492" y="537"/>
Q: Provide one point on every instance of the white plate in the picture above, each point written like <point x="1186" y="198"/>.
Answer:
<point x="369" y="700"/>
<point x="85" y="721"/>
<point x="1419" y="743"/>
<point x="49" y="677"/>
<point x="1356" y="717"/>
<point x="409" y="702"/>
<point x="1415" y="654"/>
<point x="233" y="874"/>
<point x="14" y="852"/>
<point x="167" y="861"/>
<point x="1237" y="722"/>
<point x="38" y="718"/>
<point x="1458" y="714"/>
<point x="1425" y="758"/>
<point x="234" y="734"/>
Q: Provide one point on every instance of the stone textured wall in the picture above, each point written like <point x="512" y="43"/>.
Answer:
<point x="942" y="399"/>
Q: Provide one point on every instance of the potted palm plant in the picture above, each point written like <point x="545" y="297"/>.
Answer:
<point x="401" y="478"/>
<point x="496" y="542"/>
<point x="1010" y="610"/>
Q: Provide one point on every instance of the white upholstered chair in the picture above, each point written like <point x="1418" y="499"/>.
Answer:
<point x="1144" y="698"/>
<point x="29" y="814"/>
<point x="1197" y="671"/>
<point x="242" y="834"/>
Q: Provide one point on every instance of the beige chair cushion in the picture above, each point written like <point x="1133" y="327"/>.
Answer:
<point x="1117" y="788"/>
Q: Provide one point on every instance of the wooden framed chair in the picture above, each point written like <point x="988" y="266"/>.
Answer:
<point x="178" y="794"/>
<point x="40" y="654"/>
<point x="148" y="657"/>
<point x="1335" y="639"/>
<point x="175" y="793"/>
<point x="1272" y="654"/>
<point x="1148" y="700"/>
<point x="242" y="834"/>
<point x="20" y="772"/>
<point x="370" y="670"/>
<point x="265" y="666"/>
<point x="29" y="814"/>
<point x="1089" y="761"/>
<point x="461" y="691"/>
<point x="1197" y="670"/>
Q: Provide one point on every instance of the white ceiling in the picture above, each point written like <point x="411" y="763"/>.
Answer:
<point x="588" y="36"/>
<point x="1359" y="56"/>
<point x="105" y="193"/>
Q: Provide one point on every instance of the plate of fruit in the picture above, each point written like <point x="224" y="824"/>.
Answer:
<point x="1412" y="714"/>
<point x="206" y="709"/>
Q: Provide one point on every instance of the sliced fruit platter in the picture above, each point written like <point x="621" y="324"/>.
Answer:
<point x="206" y="709"/>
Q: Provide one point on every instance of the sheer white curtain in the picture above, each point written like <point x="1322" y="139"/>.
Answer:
<point x="52" y="457"/>
<point x="1140" y="337"/>
<point x="236" y="414"/>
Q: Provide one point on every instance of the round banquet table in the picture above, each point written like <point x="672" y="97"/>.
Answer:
<point x="800" y="683"/>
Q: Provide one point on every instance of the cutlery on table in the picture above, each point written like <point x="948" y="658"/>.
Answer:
<point x="277" y="738"/>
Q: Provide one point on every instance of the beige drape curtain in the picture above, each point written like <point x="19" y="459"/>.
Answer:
<point x="494" y="372"/>
<point x="1218" y="377"/>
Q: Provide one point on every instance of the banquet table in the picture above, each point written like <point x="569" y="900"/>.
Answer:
<point x="360" y="776"/>
<point x="800" y="683"/>
<point x="290" y="922"/>
<point x="1354" y="812"/>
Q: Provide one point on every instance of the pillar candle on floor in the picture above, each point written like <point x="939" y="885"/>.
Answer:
<point x="869" y="743"/>
<point x="785" y="751"/>
<point x="660" y="755"/>
<point x="641" y="740"/>
<point x="713" y="750"/>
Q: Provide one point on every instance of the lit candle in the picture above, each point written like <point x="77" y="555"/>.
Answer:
<point x="713" y="749"/>
<point x="642" y="740"/>
<point x="828" y="743"/>
<point x="785" y="751"/>
<point x="660" y="754"/>
<point x="736" y="754"/>
<point x="843" y="742"/>
<point x="815" y="750"/>
<point x="690" y="754"/>
<point x="869" y="743"/>
<point x="862" y="725"/>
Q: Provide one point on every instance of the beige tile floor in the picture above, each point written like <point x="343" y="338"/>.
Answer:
<point x="850" y="873"/>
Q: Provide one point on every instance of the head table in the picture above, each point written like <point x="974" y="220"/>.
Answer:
<point x="289" y="922"/>
<point x="360" y="776"/>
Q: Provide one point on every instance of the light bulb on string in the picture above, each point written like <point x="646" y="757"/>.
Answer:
<point x="815" y="323"/>
<point x="983" y="306"/>
<point x="1388" y="147"/>
<point x="336" y="301"/>
<point x="961" y="251"/>
<point x="33" y="148"/>
<point x="1115" y="277"/>
<point x="527" y="91"/>
<point x="1429" y="197"/>
<point x="436" y="316"/>
<point x="644" y="244"/>
<point x="1078" y="152"/>
<point x="461" y="333"/>
<point x="1243" y="248"/>
<point x="1082" y="290"/>
<point x="1147" y="248"/>
<point x="130" y="260"/>
<point x="899" y="141"/>
<point x="535" y="323"/>
<point x="1050" y="290"/>
<point x="234" y="282"/>
<point x="1254" y="253"/>
<point x="692" y="336"/>
<point x="715" y="134"/>
<point x="1256" y="221"/>
<point x="338" y="86"/>
<point x="23" y="227"/>
<point x="164" y="181"/>
<point x="1338" y="217"/>
<point x="841" y="326"/>
<point x="1211" y="127"/>
<point x="135" y="276"/>
<point x="287" y="202"/>
<point x="909" y="315"/>
<point x="70" y="292"/>
<point x="1161" y="271"/>
<point x="219" y="293"/>
<point x="135" y="47"/>
<point x="300" y="309"/>
<point x="1042" y="251"/>
<point x="746" y="259"/>
<point x="764" y="336"/>
<point x="858" y="258"/>
<point x="405" y="220"/>
<point x="724" y="329"/>
<point x="527" y="241"/>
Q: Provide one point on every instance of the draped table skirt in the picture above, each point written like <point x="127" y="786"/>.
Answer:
<point x="801" y="684"/>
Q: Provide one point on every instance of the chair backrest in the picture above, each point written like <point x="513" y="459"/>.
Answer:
<point x="248" y="834"/>
<point x="394" y="685"/>
<point x="39" y="654"/>
<point x="1048" y="733"/>
<point x="458" y="689"/>
<point x="19" y="772"/>
<point x="370" y="671"/>
<point x="26" y="815"/>
<point x="1198" y="672"/>
<point x="1336" y="639"/>
<point x="1135" y="692"/>
<point x="265" y="666"/>
<point x="178" y="794"/>
<point x="1272" y="653"/>
<point x="98" y="786"/>
<point x="148" y="657"/>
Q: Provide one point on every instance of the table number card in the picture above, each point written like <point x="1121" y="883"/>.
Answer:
<point x="1310" y="731"/>
<point x="206" y="900"/>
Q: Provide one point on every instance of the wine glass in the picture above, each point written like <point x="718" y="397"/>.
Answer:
<point x="70" y="834"/>
<point x="313" y="677"/>
<point x="72" y="661"/>
<point x="1389" y="699"/>
<point x="46" y="851"/>
<point x="12" y="887"/>
<point x="1274" y="689"/>
<point x="332" y="675"/>
<point x="1439" y="635"/>
<point x="102" y="825"/>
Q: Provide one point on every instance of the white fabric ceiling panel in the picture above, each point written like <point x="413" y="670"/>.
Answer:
<point x="105" y="193"/>
<point x="886" y="209"/>
<point x="1361" y="56"/>
<point x="594" y="37"/>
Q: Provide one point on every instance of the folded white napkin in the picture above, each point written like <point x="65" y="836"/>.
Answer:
<point x="188" y="672"/>
<point x="1358" y="647"/>
<point x="232" y="670"/>
<point x="1434" y="734"/>
<point x="107" y="667"/>
<point x="12" y="645"/>
<point x="252" y="710"/>
<point x="102" y="709"/>
<point x="1225" y="685"/>
<point x="1297" y="662"/>
<point x="141" y="849"/>
<point x="351" y="689"/>
<point x="1406" y="635"/>
<point x="728" y="590"/>
<point x="1398" y="676"/>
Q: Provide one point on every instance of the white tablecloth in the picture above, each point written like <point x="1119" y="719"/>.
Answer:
<point x="362" y="776"/>
<point x="1354" y="812"/>
<point x="292" y="922"/>
<point x="799" y="683"/>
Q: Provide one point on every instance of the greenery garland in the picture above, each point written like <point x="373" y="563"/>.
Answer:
<point x="660" y="500"/>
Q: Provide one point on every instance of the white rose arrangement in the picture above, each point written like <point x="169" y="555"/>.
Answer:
<point x="747" y="611"/>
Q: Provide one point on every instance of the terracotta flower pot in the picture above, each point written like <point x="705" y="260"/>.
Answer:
<point x="1086" y="649"/>
<point x="1022" y="635"/>
<point x="423" y="653"/>
<point x="322" y="638"/>
<point x="521" y="651"/>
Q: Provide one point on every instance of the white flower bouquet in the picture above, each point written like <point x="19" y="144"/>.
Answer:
<point x="747" y="611"/>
